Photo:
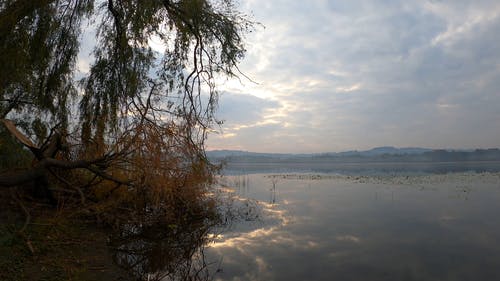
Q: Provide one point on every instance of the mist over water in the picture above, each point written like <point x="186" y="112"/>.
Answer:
<point x="364" y="168"/>
<point x="361" y="222"/>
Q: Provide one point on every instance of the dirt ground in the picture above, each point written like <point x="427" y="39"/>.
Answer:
<point x="52" y="245"/>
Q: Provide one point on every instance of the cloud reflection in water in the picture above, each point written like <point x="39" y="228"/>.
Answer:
<point x="377" y="228"/>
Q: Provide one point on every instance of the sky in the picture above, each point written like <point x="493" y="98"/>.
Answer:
<point x="356" y="74"/>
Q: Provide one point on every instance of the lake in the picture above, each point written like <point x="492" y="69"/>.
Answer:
<point x="361" y="226"/>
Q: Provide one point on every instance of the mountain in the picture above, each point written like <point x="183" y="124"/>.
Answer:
<point x="240" y="153"/>
<point x="372" y="152"/>
<point x="394" y="151"/>
<point x="377" y="154"/>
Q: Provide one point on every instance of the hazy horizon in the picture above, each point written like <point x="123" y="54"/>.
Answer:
<point x="360" y="150"/>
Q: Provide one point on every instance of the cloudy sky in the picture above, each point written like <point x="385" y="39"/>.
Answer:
<point x="337" y="75"/>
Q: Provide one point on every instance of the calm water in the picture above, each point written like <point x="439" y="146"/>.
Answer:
<point x="365" y="168"/>
<point x="328" y="227"/>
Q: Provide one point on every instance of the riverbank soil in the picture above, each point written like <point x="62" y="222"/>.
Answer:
<point x="51" y="244"/>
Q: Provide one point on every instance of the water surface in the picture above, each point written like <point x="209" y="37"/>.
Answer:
<point x="385" y="227"/>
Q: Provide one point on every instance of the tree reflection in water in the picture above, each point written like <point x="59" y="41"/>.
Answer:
<point x="171" y="247"/>
<point x="164" y="252"/>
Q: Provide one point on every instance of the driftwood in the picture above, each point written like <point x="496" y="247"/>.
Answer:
<point x="48" y="149"/>
<point x="46" y="160"/>
<point x="17" y="134"/>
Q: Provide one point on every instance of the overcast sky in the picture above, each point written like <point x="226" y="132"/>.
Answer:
<point x="355" y="74"/>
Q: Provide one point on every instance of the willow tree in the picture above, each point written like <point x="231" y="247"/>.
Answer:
<point x="138" y="118"/>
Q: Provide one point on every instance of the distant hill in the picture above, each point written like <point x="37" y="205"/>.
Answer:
<point x="396" y="151"/>
<point x="371" y="152"/>
<point x="239" y="153"/>
<point x="378" y="154"/>
<point x="382" y="150"/>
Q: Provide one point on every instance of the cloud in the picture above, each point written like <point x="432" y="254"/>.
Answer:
<point x="254" y="108"/>
<point x="357" y="74"/>
<point x="341" y="75"/>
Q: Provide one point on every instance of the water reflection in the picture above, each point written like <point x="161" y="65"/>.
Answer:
<point x="363" y="168"/>
<point x="332" y="227"/>
<point x="160" y="252"/>
<point x="272" y="199"/>
<point x="329" y="227"/>
<point x="172" y="247"/>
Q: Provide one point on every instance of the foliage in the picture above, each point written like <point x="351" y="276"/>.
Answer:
<point x="137" y="114"/>
<point x="124" y="144"/>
